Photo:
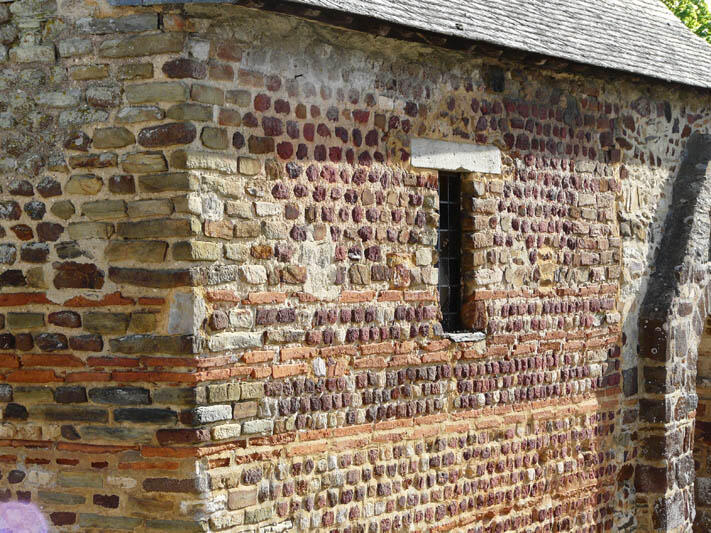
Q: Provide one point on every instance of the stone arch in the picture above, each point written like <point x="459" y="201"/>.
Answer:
<point x="671" y="321"/>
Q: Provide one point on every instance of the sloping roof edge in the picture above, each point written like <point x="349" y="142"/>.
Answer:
<point x="640" y="37"/>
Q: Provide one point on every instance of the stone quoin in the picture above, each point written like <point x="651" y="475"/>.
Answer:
<point x="355" y="267"/>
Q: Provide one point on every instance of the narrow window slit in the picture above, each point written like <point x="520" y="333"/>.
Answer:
<point x="449" y="251"/>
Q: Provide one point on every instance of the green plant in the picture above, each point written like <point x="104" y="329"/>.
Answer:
<point x="694" y="13"/>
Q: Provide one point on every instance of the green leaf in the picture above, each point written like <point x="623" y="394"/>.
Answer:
<point x="694" y="13"/>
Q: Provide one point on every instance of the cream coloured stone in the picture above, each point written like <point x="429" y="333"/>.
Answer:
<point x="241" y="319"/>
<point x="249" y="166"/>
<point x="267" y="209"/>
<point x="253" y="274"/>
<point x="192" y="159"/>
<point x="234" y="341"/>
<point x="187" y="313"/>
<point x="455" y="156"/>
<point x="423" y="256"/>
<point x="197" y="251"/>
<point x="227" y="431"/>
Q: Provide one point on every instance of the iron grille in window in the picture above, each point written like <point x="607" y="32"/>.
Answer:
<point x="449" y="249"/>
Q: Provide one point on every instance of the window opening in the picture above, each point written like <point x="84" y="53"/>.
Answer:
<point x="450" y="251"/>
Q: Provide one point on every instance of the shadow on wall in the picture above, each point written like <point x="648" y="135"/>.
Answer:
<point x="670" y="320"/>
<point x="630" y="305"/>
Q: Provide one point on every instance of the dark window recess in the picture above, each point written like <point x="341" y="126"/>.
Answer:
<point x="450" y="251"/>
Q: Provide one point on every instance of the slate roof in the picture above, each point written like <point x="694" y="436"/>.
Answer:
<point x="637" y="36"/>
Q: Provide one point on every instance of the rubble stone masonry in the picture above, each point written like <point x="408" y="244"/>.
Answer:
<point x="218" y="304"/>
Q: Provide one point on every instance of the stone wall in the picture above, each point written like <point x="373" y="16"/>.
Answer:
<point x="702" y="437"/>
<point x="219" y="277"/>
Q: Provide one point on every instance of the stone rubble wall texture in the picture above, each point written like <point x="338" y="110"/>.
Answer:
<point x="702" y="436"/>
<point x="671" y="320"/>
<point x="219" y="307"/>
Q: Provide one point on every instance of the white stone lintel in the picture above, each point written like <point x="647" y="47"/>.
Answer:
<point x="465" y="336"/>
<point x="454" y="156"/>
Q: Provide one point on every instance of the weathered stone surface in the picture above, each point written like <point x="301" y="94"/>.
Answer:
<point x="86" y="343"/>
<point x="49" y="231"/>
<point x="84" y="184"/>
<point x="89" y="72"/>
<point x="112" y="137"/>
<point x="196" y="251"/>
<point x="90" y="230"/>
<point x="70" y="479"/>
<point x="145" y="415"/>
<point x="250" y="391"/>
<point x="168" y="91"/>
<point x="233" y="341"/>
<point x="65" y="319"/>
<point x="135" y="71"/>
<point x="102" y="96"/>
<point x="10" y="210"/>
<point x="169" y="344"/>
<point x="143" y="162"/>
<point x="167" y="134"/>
<point x="50" y="497"/>
<point x="260" y="145"/>
<point x="253" y="274"/>
<point x="25" y="320"/>
<point x="142" y="45"/>
<point x="242" y="497"/>
<point x="122" y="184"/>
<point x="195" y="160"/>
<point x="214" y="138"/>
<point x="63" y="209"/>
<point x="158" y="228"/>
<point x="130" y="23"/>
<point x="149" y="208"/>
<point x="182" y="436"/>
<point x="206" y="415"/>
<point x="32" y="54"/>
<point x="71" y="275"/>
<point x="81" y="116"/>
<point x="174" y="181"/>
<point x="258" y="427"/>
<point x="120" y="395"/>
<point x="34" y="252"/>
<point x="249" y="166"/>
<point x="114" y="434"/>
<point x="226" y="431"/>
<point x="49" y="187"/>
<point x="102" y="322"/>
<point x="130" y="115"/>
<point x="187" y="310"/>
<point x="104" y="209"/>
<point x="74" y="47"/>
<point x="143" y="322"/>
<point x="247" y="229"/>
<point x="101" y="160"/>
<point x="100" y="520"/>
<point x="193" y="485"/>
<point x="185" y="68"/>
<point x="8" y="254"/>
<point x="70" y="394"/>
<point x="190" y="111"/>
<point x="229" y="117"/>
<point x="207" y="94"/>
<point x="166" y="278"/>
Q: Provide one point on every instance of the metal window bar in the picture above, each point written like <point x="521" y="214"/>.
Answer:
<point x="449" y="251"/>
